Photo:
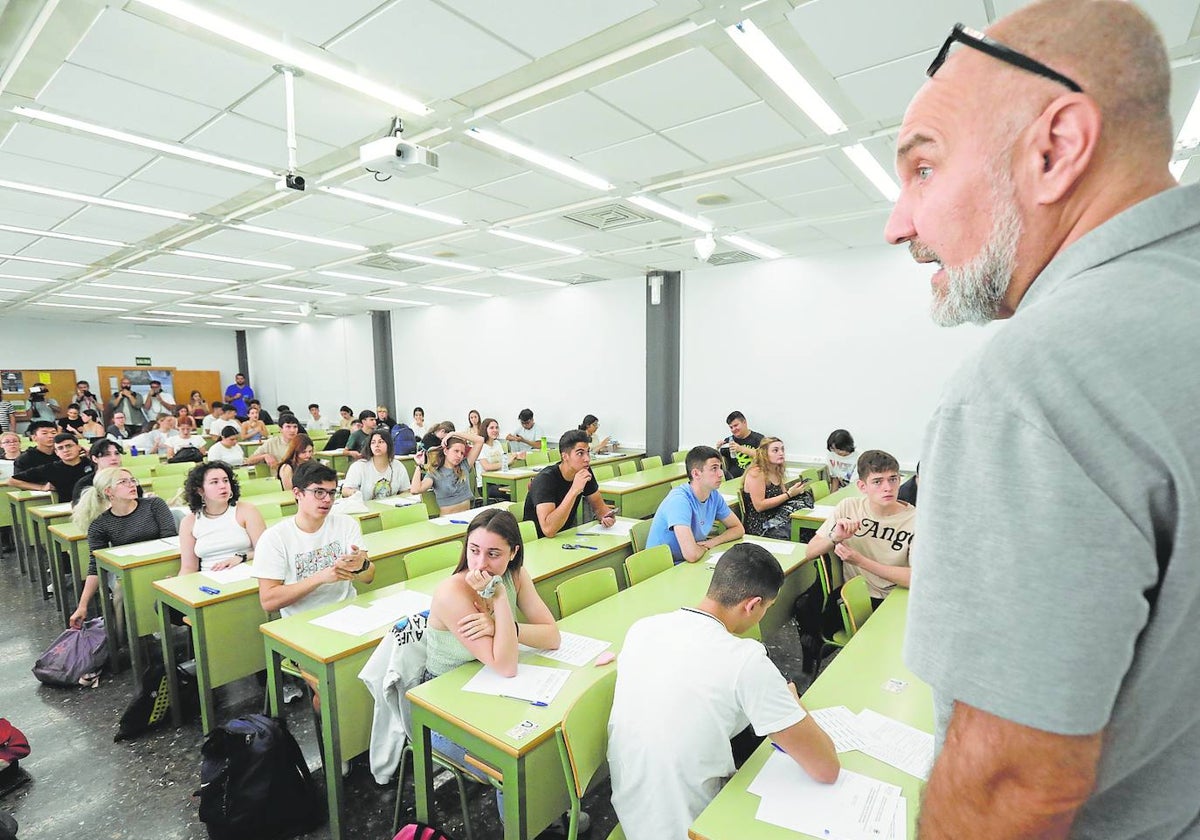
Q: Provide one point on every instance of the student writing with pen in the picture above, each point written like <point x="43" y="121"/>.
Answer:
<point x="447" y="469"/>
<point x="554" y="492"/>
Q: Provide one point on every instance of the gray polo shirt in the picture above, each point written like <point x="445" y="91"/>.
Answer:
<point x="1061" y="468"/>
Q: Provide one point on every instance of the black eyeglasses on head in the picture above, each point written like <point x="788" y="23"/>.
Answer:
<point x="977" y="40"/>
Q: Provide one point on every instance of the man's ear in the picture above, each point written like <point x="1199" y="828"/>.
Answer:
<point x="1060" y="146"/>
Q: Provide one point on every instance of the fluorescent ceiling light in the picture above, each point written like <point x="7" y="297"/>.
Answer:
<point x="41" y="260"/>
<point x="309" y="60"/>
<point x="154" y="320"/>
<point x="30" y="279"/>
<point x="178" y="314"/>
<point x="361" y="277"/>
<point x="287" y="312"/>
<point x="301" y="290"/>
<point x="269" y="320"/>
<point x="79" y="306"/>
<point x="173" y="276"/>
<point x="27" y="42"/>
<point x="661" y="209"/>
<point x="876" y="174"/>
<point x="235" y="260"/>
<point x="434" y="261"/>
<point x="541" y="159"/>
<point x="770" y="60"/>
<point x="14" y="291"/>
<point x="364" y="198"/>
<point x="99" y="297"/>
<point x="218" y="308"/>
<point x="512" y="275"/>
<point x="400" y="301"/>
<point x="138" y="289"/>
<point x="238" y="326"/>
<point x="751" y="246"/>
<point x="1178" y="167"/>
<point x="249" y="299"/>
<point x="91" y="199"/>
<point x="300" y="237"/>
<point x="167" y="148"/>
<point x="533" y="240"/>
<point x="70" y="236"/>
<point x="326" y="317"/>
<point x="454" y="291"/>
<point x="254" y="207"/>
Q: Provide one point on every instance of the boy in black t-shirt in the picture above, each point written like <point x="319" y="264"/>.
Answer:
<point x="737" y="450"/>
<point x="41" y="432"/>
<point x="60" y="474"/>
<point x="553" y="493"/>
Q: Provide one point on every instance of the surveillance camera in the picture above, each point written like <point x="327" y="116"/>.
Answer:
<point x="294" y="181"/>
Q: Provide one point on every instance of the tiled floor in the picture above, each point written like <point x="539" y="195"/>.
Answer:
<point x="83" y="783"/>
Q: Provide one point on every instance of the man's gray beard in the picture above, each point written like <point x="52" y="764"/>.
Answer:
<point x="974" y="292"/>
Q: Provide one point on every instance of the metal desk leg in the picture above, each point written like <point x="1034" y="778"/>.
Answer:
<point x="165" y="611"/>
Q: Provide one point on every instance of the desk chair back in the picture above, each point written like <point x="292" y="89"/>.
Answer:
<point x="528" y="531"/>
<point x="856" y="604"/>
<point x="811" y="474"/>
<point x="583" y="744"/>
<point x="602" y="473"/>
<point x="432" y="558"/>
<point x="627" y="467"/>
<point x="653" y="462"/>
<point x="395" y="517"/>
<point x="820" y="489"/>
<point x="639" y="533"/>
<point x="535" y="457"/>
<point x="270" y="511"/>
<point x="167" y="486"/>
<point x="679" y="457"/>
<point x="172" y="469"/>
<point x="259" y="486"/>
<point x="584" y="590"/>
<point x="128" y="460"/>
<point x="553" y="456"/>
<point x="431" y="505"/>
<point x="647" y="563"/>
<point x="142" y="472"/>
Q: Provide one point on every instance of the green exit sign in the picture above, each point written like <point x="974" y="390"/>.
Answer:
<point x="143" y="361"/>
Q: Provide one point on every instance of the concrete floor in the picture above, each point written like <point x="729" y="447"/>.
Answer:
<point x="85" y="784"/>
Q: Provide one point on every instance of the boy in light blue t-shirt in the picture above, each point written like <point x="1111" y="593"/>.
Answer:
<point x="685" y="517"/>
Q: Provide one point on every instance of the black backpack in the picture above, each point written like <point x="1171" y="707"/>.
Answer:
<point x="255" y="784"/>
<point x="817" y="618"/>
<point x="404" y="439"/>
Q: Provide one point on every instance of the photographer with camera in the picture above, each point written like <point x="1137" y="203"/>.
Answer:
<point x="42" y="407"/>
<point x="84" y="398"/>
<point x="128" y="402"/>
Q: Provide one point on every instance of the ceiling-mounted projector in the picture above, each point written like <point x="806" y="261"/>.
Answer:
<point x="398" y="157"/>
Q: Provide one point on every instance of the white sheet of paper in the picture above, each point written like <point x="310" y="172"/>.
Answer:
<point x="242" y="571"/>
<point x="855" y="807"/>
<point x="402" y="603"/>
<point x="137" y="549"/>
<point x="400" y="501"/>
<point x="900" y="822"/>
<point x="534" y="683"/>
<point x="842" y="726"/>
<point x="898" y="744"/>
<point x="620" y="528"/>
<point x="463" y="515"/>
<point x="65" y="507"/>
<point x="352" y="620"/>
<point x="729" y="498"/>
<point x="712" y="557"/>
<point x="6" y="470"/>
<point x="170" y="542"/>
<point x="350" y="505"/>
<point x="822" y="511"/>
<point x="613" y="483"/>
<point x="773" y="546"/>
<point x="573" y="649"/>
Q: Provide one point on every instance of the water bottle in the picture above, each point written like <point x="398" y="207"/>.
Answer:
<point x="133" y="450"/>
<point x="503" y="461"/>
<point x="545" y="446"/>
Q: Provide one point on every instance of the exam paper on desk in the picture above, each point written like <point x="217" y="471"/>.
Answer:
<point x="620" y="528"/>
<point x="242" y="571"/>
<point x="898" y="744"/>
<point x="842" y="726"/>
<point x="573" y="649"/>
<point x="534" y="683"/>
<point x="357" y="620"/>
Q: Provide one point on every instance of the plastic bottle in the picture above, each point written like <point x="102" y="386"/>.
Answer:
<point x="503" y="460"/>
<point x="133" y="450"/>
<point x="545" y="447"/>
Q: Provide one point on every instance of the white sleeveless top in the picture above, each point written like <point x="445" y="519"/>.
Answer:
<point x="219" y="538"/>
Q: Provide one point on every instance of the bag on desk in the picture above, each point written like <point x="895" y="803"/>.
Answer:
<point x="75" y="657"/>
<point x="255" y="784"/>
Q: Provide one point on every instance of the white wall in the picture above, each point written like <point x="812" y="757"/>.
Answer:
<point x="564" y="353"/>
<point x="329" y="362"/>
<point x="804" y="346"/>
<point x="30" y="344"/>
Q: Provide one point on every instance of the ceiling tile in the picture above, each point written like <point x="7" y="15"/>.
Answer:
<point x="44" y="173"/>
<point x="679" y="89"/>
<point x="248" y="140"/>
<point x="96" y="155"/>
<point x="745" y="131"/>
<point x="746" y="215"/>
<point x="28" y="269"/>
<point x="324" y="112"/>
<point x="302" y="254"/>
<point x="64" y="249"/>
<point x="107" y="223"/>
<point x="293" y="221"/>
<point x="535" y="191"/>
<point x="315" y="21"/>
<point x="576" y="124"/>
<point x="883" y="92"/>
<point x="397" y="228"/>
<point x="406" y="190"/>
<point x="822" y="203"/>
<point x="474" y="206"/>
<point x="136" y="50"/>
<point x="642" y="160"/>
<point x="469" y="166"/>
<point x="234" y="242"/>
<point x="175" y="264"/>
<point x="165" y="198"/>
<point x="897" y="28"/>
<point x="116" y="103"/>
<point x="816" y="173"/>
<point x="336" y="211"/>
<point x="1185" y="86"/>
<point x="685" y="197"/>
<point x="862" y="232"/>
<point x="1173" y="17"/>
<point x="540" y="27"/>
<point x="422" y="48"/>
<point x="34" y="211"/>
<point x="198" y="178"/>
<point x="12" y="243"/>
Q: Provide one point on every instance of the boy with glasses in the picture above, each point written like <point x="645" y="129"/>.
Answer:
<point x="310" y="560"/>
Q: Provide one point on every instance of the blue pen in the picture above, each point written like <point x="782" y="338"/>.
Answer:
<point x="524" y="700"/>
<point x="781" y="749"/>
<point x="208" y="590"/>
<point x="459" y="522"/>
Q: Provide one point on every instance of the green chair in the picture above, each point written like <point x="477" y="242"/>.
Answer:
<point x="166" y="487"/>
<point x="395" y="517"/>
<point x="811" y="474"/>
<point x="647" y="563"/>
<point x="679" y="482"/>
<point x="583" y="745"/>
<point x="627" y="467"/>
<point x="536" y="457"/>
<point x="259" y="486"/>
<point x="602" y="473"/>
<point x="584" y="590"/>
<point x="639" y="533"/>
<point x="679" y="457"/>
<point x="528" y="531"/>
<point x="142" y="472"/>
<point x="432" y="558"/>
<point x="820" y="489"/>
<point x="854" y="602"/>
<point x="128" y="460"/>
<point x="270" y="510"/>
<point x="172" y="469"/>
<point x="653" y="462"/>
<point x="272" y="430"/>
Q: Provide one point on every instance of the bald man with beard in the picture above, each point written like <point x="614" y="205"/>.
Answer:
<point x="1056" y="597"/>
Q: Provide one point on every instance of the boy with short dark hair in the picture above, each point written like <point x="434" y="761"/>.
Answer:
<point x="687" y="514"/>
<point x="554" y="491"/>
<point x="62" y="473"/>
<point x="738" y="448"/>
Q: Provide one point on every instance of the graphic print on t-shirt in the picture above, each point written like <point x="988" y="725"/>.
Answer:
<point x="310" y="562"/>
<point x="899" y="539"/>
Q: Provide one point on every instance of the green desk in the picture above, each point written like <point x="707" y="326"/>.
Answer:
<point x="136" y="573"/>
<point x="534" y="791"/>
<point x="41" y="518"/>
<point x="810" y="520"/>
<point x="387" y="548"/>
<point x="20" y="502"/>
<point x="517" y="477"/>
<point x="854" y="679"/>
<point x="335" y="659"/>
<point x="337" y="458"/>
<point x="550" y="564"/>
<point x="639" y="494"/>
<point x="67" y="538"/>
<point x="223" y="631"/>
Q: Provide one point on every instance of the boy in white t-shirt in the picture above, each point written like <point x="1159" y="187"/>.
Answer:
<point x="687" y="685"/>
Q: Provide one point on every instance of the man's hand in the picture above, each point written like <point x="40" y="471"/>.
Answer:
<point x="580" y="480"/>
<point x="844" y="529"/>
<point x="609" y="519"/>
<point x="848" y="554"/>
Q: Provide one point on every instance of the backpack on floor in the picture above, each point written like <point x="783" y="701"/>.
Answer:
<point x="404" y="439"/>
<point x="151" y="706"/>
<point x="817" y="618"/>
<point x="255" y="784"/>
<point x="13" y="744"/>
<point x="420" y="831"/>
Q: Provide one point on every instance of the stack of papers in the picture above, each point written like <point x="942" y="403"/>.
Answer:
<point x="350" y="505"/>
<point x="144" y="548"/>
<point x="855" y="807"/>
<point x="533" y="683"/>
<point x="620" y="528"/>
<point x="242" y="571"/>
<point x="902" y="746"/>
<point x="358" y="620"/>
<point x="573" y="649"/>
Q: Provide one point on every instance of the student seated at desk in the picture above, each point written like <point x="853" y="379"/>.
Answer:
<point x="768" y="500"/>
<point x="527" y="436"/>
<point x="72" y="422"/>
<point x="10" y="446"/>
<point x="299" y="452"/>
<point x="60" y="475"/>
<point x="277" y="446"/>
<point x="220" y="531"/>
<point x="209" y="422"/>
<point x="113" y="515"/>
<point x="104" y="453"/>
<point x="227" y="448"/>
<point x="872" y="533"/>
<point x="589" y="426"/>
<point x="493" y="458"/>
<point x="447" y="469"/>
<point x="253" y="429"/>
<point x="379" y="476"/>
<point x="685" y="517"/>
<point x="418" y="425"/>
<point x="839" y="461"/>
<point x="310" y="560"/>
<point x="686" y="685"/>
<point x="345" y="417"/>
<point x="739" y="446"/>
<point x="42" y="433"/>
<point x="185" y="438"/>
<point x="118" y="429"/>
<point x="91" y="429"/>
<point x="184" y="422"/>
<point x="555" y="491"/>
<point x="356" y="445"/>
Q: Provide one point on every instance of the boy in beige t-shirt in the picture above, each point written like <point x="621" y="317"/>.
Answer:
<point x="872" y="533"/>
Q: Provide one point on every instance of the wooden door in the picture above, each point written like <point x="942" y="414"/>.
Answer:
<point x="207" y="382"/>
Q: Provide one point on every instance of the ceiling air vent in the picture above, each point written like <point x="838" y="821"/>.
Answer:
<point x="576" y="279"/>
<point x="609" y="217"/>
<point x="731" y="257"/>
<point x="387" y="263"/>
